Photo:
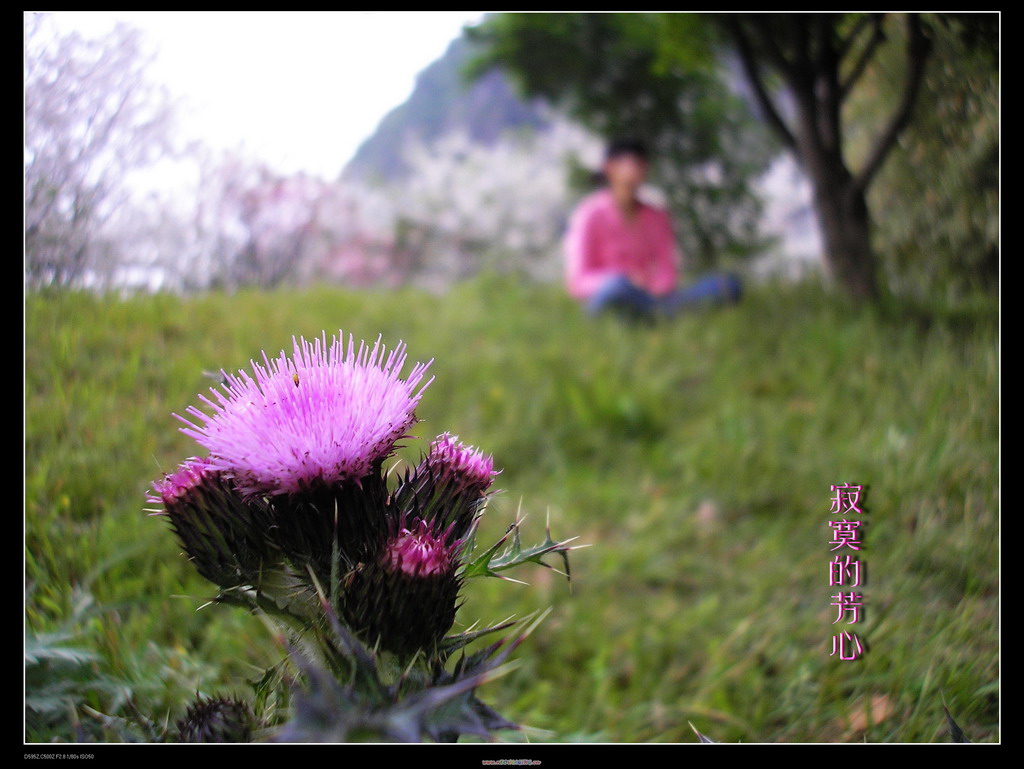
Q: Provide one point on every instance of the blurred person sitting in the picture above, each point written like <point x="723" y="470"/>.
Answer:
<point x="622" y="253"/>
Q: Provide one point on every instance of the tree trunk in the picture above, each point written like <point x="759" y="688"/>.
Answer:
<point x="845" y="223"/>
<point x="807" y="51"/>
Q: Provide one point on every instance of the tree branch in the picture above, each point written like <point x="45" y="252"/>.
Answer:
<point x="826" y="86"/>
<point x="800" y="40"/>
<point x="918" y="48"/>
<point x="858" y="27"/>
<point x="777" y="42"/>
<point x="877" y="36"/>
<point x="750" y="68"/>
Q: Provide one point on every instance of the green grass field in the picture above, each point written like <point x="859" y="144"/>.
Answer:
<point x="695" y="456"/>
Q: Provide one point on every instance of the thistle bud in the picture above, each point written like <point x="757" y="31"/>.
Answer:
<point x="221" y="533"/>
<point x="448" y="488"/>
<point x="217" y="719"/>
<point x="467" y="470"/>
<point x="406" y="599"/>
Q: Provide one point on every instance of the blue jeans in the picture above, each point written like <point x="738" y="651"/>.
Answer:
<point x="621" y="296"/>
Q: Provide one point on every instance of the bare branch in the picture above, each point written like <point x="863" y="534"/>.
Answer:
<point x="918" y="48"/>
<point x="877" y="36"/>
<point x="753" y="74"/>
<point x="800" y="30"/>
<point x="826" y="86"/>
<point x="858" y="27"/>
<point x="91" y="117"/>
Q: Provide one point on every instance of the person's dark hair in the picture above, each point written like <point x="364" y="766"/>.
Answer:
<point x="626" y="146"/>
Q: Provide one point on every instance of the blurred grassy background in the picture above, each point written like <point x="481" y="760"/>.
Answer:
<point x="696" y="456"/>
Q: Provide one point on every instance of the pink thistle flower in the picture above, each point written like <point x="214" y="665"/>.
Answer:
<point x="222" y="533"/>
<point x="405" y="600"/>
<point x="418" y="552"/>
<point x="181" y="483"/>
<point x="448" y="489"/>
<point x="467" y="468"/>
<point x="326" y="415"/>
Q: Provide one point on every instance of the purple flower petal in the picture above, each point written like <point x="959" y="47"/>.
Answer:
<point x="182" y="481"/>
<point x="468" y="468"/>
<point x="325" y="415"/>
<point x="417" y="551"/>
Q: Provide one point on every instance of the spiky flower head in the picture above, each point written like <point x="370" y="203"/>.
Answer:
<point x="183" y="483"/>
<point x="466" y="468"/>
<point x="217" y="719"/>
<point x="405" y="601"/>
<point x="222" y="533"/>
<point x="326" y="415"/>
<point x="417" y="552"/>
<point x="447" y="489"/>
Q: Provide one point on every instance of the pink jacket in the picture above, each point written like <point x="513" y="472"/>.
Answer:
<point x="602" y="242"/>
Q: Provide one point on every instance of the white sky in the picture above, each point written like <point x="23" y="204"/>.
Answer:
<point x="299" y="90"/>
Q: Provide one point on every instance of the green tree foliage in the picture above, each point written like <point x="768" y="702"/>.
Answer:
<point x="624" y="74"/>
<point x="940" y="236"/>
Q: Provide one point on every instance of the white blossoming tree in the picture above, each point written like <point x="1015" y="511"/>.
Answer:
<point x="91" y="119"/>
<point x="467" y="206"/>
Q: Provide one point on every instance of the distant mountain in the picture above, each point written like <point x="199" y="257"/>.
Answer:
<point x="443" y="102"/>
